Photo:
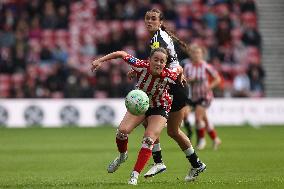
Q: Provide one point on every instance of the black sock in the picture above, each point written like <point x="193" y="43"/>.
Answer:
<point x="188" y="128"/>
<point x="193" y="160"/>
<point x="157" y="156"/>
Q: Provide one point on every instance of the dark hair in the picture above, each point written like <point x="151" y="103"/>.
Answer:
<point x="162" y="50"/>
<point x="163" y="27"/>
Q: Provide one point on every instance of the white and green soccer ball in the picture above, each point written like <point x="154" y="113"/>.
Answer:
<point x="137" y="102"/>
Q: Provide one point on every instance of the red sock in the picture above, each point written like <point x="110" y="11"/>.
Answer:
<point x="212" y="133"/>
<point x="121" y="145"/>
<point x="201" y="132"/>
<point x="143" y="156"/>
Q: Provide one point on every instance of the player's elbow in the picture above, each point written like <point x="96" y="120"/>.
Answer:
<point x="121" y="54"/>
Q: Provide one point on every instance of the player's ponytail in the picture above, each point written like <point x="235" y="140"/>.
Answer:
<point x="175" y="38"/>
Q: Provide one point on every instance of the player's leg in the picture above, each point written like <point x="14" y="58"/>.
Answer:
<point x="212" y="132"/>
<point x="174" y="131"/>
<point x="186" y="123"/>
<point x="199" y="115"/>
<point x="178" y="92"/>
<point x="158" y="166"/>
<point x="155" y="126"/>
<point x="128" y="123"/>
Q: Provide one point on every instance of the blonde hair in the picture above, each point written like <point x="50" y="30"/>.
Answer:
<point x="192" y="49"/>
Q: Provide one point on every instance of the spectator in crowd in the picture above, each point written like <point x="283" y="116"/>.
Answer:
<point x="59" y="54"/>
<point x="7" y="37"/>
<point x="35" y="29"/>
<point x="247" y="6"/>
<point x="62" y="20"/>
<point x="6" y="64"/>
<point x="49" y="19"/>
<point x="46" y="54"/>
<point x="256" y="76"/>
<point x="251" y="37"/>
<point x="241" y="84"/>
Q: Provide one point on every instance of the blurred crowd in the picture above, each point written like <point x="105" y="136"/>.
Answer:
<point x="46" y="46"/>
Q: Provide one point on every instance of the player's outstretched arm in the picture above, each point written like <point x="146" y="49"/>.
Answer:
<point x="97" y="63"/>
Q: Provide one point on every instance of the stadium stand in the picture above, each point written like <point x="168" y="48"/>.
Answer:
<point x="46" y="46"/>
<point x="271" y="25"/>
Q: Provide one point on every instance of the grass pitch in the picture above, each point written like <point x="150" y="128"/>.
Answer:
<point x="37" y="158"/>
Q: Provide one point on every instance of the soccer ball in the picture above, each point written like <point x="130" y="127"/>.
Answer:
<point x="137" y="102"/>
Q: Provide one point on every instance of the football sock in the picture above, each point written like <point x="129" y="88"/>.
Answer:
<point x="192" y="157"/>
<point x="201" y="132"/>
<point x="212" y="133"/>
<point x="143" y="157"/>
<point x="121" y="145"/>
<point x="157" y="153"/>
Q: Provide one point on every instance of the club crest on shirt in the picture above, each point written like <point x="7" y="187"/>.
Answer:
<point x="155" y="45"/>
<point x="132" y="60"/>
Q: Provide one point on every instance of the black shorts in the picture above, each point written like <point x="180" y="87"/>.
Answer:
<point x="179" y="95"/>
<point x="201" y="102"/>
<point x="157" y="111"/>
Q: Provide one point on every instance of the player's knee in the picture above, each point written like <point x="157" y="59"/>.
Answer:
<point x="121" y="134"/>
<point x="172" y="133"/>
<point x="198" y="120"/>
<point x="147" y="142"/>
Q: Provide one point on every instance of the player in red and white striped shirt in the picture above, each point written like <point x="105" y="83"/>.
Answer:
<point x="154" y="79"/>
<point x="156" y="87"/>
<point x="198" y="73"/>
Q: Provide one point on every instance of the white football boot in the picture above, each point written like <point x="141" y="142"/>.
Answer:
<point x="133" y="178"/>
<point x="155" y="169"/>
<point x="194" y="172"/>
<point x="114" y="165"/>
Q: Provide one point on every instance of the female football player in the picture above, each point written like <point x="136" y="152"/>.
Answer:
<point x="161" y="37"/>
<point x="154" y="79"/>
<point x="197" y="73"/>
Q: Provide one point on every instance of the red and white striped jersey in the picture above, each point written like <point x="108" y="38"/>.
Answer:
<point x="156" y="87"/>
<point x="199" y="74"/>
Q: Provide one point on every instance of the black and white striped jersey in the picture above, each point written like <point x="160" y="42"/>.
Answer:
<point x="162" y="39"/>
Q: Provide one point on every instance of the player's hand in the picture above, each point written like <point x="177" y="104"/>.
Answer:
<point x="131" y="74"/>
<point x="182" y="79"/>
<point x="95" y="65"/>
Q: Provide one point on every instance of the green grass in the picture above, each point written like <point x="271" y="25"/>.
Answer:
<point x="36" y="158"/>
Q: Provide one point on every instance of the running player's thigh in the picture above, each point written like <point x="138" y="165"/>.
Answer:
<point x="204" y="112"/>
<point x="186" y="111"/>
<point x="205" y="118"/>
<point x="175" y="119"/>
<point x="199" y="111"/>
<point x="156" y="123"/>
<point x="129" y="122"/>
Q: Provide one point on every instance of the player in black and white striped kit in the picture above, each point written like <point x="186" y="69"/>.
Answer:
<point x="163" y="38"/>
